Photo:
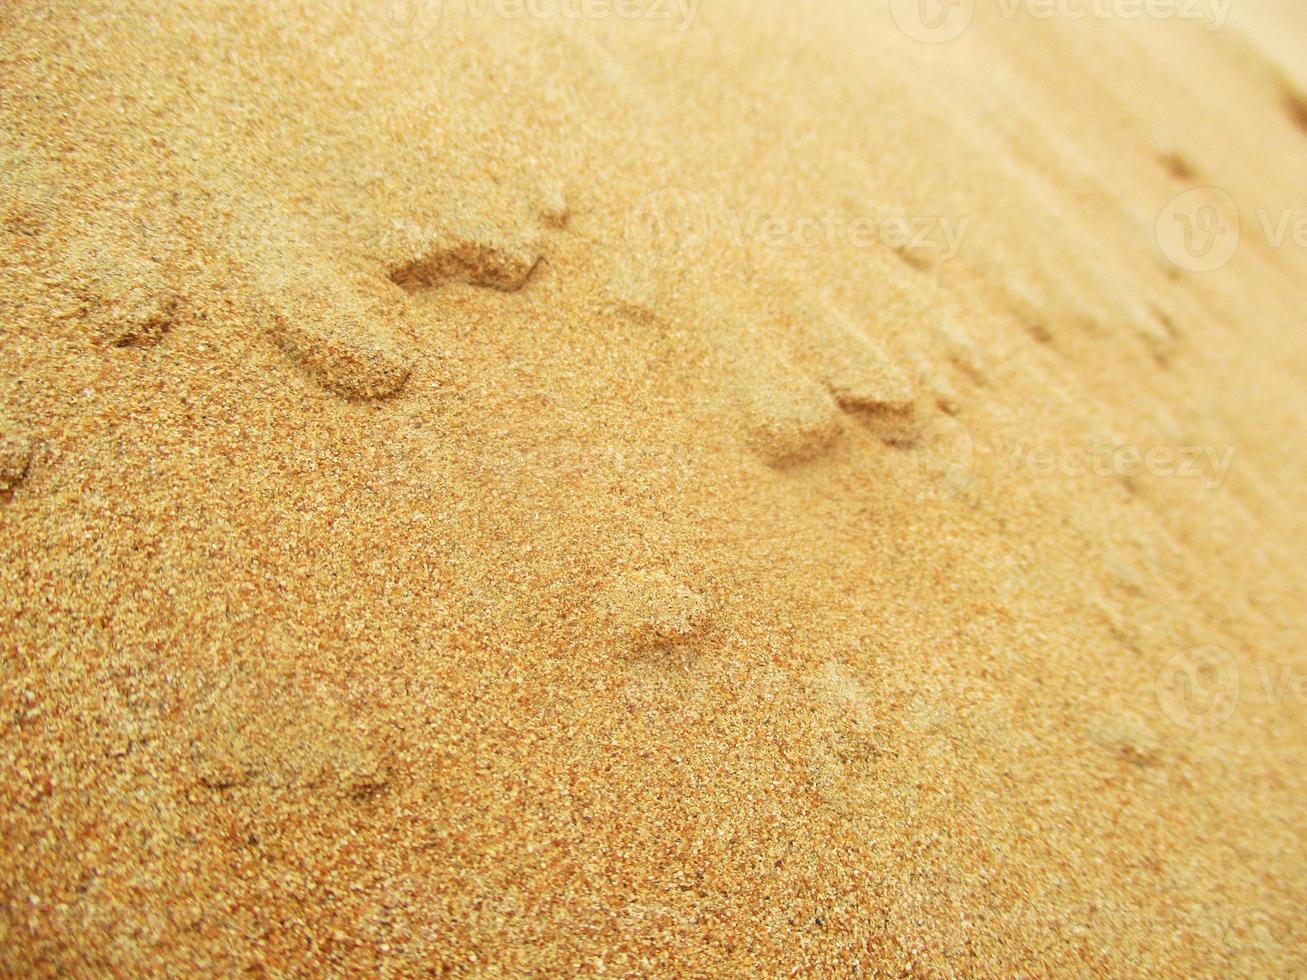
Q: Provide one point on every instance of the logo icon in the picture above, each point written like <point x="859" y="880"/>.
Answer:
<point x="932" y="21"/>
<point x="1198" y="230"/>
<point x="1199" y="688"/>
<point x="671" y="223"/>
<point x="400" y="21"/>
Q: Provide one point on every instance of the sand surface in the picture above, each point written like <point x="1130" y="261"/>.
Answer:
<point x="741" y="492"/>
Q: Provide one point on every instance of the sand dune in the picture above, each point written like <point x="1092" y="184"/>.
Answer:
<point x="653" y="488"/>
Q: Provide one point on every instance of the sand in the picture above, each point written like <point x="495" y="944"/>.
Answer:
<point x="741" y="492"/>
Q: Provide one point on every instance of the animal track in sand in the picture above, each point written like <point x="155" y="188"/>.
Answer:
<point x="345" y="330"/>
<point x="336" y="328"/>
<point x="424" y="261"/>
<point x="857" y="372"/>
<point x="1178" y="166"/>
<point x="15" y="454"/>
<point x="488" y="239"/>
<point x="247" y="738"/>
<point x="347" y="355"/>
<point x="1295" y="104"/>
<point x="1156" y="328"/>
<point x="831" y="373"/>
<point x="126" y="285"/>
<point x="119" y="271"/>
<point x="650" y="611"/>
<point x="796" y="406"/>
<point x="789" y="419"/>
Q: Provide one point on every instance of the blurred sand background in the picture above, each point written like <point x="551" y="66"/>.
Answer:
<point x="491" y="494"/>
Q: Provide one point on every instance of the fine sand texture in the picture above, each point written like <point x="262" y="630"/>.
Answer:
<point x="642" y="488"/>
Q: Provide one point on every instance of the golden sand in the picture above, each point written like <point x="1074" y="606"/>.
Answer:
<point x="746" y="491"/>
